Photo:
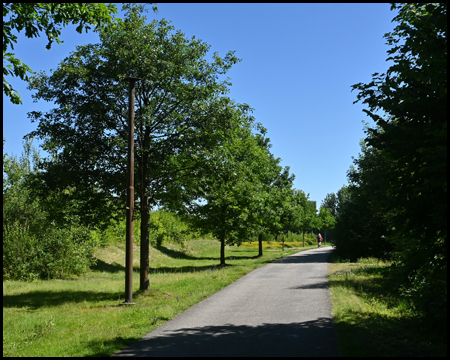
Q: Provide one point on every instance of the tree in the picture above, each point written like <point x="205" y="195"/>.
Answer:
<point x="413" y="138"/>
<point x="232" y="200"/>
<point x="48" y="18"/>
<point x="325" y="221"/>
<point x="180" y="111"/>
<point x="330" y="202"/>
<point x="273" y="194"/>
<point x="361" y="228"/>
<point x="307" y="214"/>
<point x="413" y="93"/>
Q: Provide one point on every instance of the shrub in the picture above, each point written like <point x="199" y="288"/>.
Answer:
<point x="34" y="247"/>
<point x="167" y="227"/>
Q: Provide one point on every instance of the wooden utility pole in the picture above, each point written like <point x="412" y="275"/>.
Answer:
<point x="130" y="197"/>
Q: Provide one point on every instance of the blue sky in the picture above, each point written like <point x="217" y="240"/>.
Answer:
<point x="298" y="64"/>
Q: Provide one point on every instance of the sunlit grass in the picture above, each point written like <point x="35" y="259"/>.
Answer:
<point x="370" y="320"/>
<point x="82" y="316"/>
<point x="276" y="245"/>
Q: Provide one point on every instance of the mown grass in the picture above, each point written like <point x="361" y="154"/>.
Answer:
<point x="82" y="316"/>
<point x="372" y="321"/>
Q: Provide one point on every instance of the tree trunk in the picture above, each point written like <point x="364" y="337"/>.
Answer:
<point x="145" y="245"/>
<point x="144" y="283"/>
<point x="260" y="245"/>
<point x="283" y="242"/>
<point x="222" y="238"/>
<point x="303" y="239"/>
<point x="222" y="249"/>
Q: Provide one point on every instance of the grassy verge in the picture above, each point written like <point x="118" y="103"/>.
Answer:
<point x="82" y="316"/>
<point x="370" y="321"/>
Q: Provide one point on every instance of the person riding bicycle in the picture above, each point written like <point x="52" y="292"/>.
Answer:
<point x="319" y="240"/>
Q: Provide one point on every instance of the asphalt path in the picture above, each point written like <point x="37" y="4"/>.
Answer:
<point x="280" y="309"/>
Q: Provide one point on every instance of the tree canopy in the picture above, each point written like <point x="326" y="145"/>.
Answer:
<point x="49" y="18"/>
<point x="413" y="93"/>
<point x="180" y="112"/>
<point x="401" y="176"/>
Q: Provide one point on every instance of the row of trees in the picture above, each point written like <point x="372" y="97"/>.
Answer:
<point x="51" y="240"/>
<point x="396" y="203"/>
<point x="197" y="152"/>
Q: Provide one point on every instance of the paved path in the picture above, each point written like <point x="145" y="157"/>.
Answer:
<point x="280" y="309"/>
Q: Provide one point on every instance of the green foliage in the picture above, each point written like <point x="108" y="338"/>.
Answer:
<point x="362" y="229"/>
<point x="298" y="213"/>
<point x="180" y="113"/>
<point x="34" y="246"/>
<point x="325" y="220"/>
<point x="167" y="227"/>
<point x="55" y="253"/>
<point x="35" y="18"/>
<point x="235" y="194"/>
<point x="114" y="232"/>
<point x="330" y="202"/>
<point x="402" y="175"/>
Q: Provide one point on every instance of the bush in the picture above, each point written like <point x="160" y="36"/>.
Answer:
<point x="420" y="280"/>
<point x="167" y="227"/>
<point x="116" y="232"/>
<point x="34" y="247"/>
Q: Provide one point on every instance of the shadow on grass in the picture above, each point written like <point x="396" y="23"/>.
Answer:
<point x="402" y="335"/>
<point x="106" y="348"/>
<point x="103" y="266"/>
<point x="379" y="335"/>
<point x="38" y="299"/>
<point x="186" y="269"/>
<point x="177" y="254"/>
<point x="309" y="338"/>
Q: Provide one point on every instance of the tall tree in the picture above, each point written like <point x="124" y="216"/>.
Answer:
<point x="413" y="93"/>
<point x="273" y="194"/>
<point x="413" y="138"/>
<point x="232" y="201"/>
<point x="180" y="111"/>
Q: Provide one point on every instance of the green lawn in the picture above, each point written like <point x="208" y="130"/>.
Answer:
<point x="370" y="321"/>
<point x="82" y="316"/>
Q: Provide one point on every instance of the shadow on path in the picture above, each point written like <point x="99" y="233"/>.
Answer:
<point x="309" y="338"/>
<point x="304" y="257"/>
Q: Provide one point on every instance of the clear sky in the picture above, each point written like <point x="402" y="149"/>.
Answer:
<point x="298" y="64"/>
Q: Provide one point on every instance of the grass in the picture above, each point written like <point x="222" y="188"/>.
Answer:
<point x="370" y="321"/>
<point x="81" y="316"/>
